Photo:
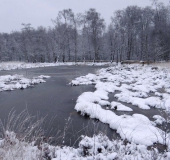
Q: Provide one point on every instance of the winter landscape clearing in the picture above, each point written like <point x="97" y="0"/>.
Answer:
<point x="144" y="87"/>
<point x="85" y="80"/>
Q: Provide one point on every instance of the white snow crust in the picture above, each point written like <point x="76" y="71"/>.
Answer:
<point x="134" y="84"/>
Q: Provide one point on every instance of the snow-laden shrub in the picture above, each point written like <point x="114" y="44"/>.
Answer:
<point x="18" y="136"/>
<point x="101" y="148"/>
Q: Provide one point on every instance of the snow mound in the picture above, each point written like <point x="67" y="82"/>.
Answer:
<point x="120" y="107"/>
<point x="12" y="82"/>
<point x="158" y="119"/>
<point x="136" y="128"/>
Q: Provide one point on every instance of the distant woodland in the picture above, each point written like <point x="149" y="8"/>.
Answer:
<point x="134" y="33"/>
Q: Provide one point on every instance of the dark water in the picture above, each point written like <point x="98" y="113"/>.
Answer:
<point x="54" y="99"/>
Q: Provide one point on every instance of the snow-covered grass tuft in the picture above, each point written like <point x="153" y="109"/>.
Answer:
<point x="101" y="148"/>
<point x="12" y="82"/>
<point x="18" y="136"/>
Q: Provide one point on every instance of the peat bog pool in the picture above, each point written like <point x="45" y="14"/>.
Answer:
<point x="55" y="100"/>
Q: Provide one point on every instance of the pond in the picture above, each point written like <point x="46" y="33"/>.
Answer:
<point x="54" y="100"/>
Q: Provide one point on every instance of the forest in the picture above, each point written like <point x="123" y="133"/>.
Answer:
<point x="134" y="33"/>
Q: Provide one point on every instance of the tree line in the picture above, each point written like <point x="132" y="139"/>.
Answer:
<point x="134" y="33"/>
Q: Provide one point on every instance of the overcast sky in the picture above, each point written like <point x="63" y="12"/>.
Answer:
<point x="40" y="12"/>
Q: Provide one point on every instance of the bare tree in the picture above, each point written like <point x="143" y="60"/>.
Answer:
<point x="96" y="26"/>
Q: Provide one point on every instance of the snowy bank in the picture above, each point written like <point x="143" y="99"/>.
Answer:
<point x="23" y="65"/>
<point x="98" y="147"/>
<point x="140" y="86"/>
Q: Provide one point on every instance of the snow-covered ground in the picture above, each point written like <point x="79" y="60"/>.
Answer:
<point x="12" y="82"/>
<point x="143" y="87"/>
<point x="162" y="64"/>
<point x="22" y="65"/>
<point x="98" y="147"/>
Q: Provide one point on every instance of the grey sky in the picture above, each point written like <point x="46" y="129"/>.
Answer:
<point x="40" y="12"/>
